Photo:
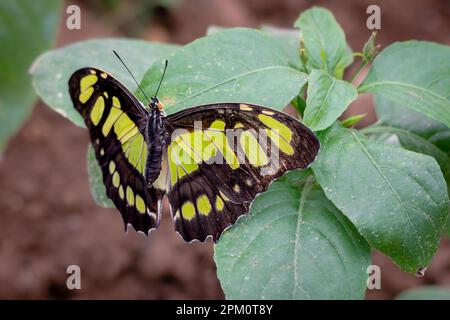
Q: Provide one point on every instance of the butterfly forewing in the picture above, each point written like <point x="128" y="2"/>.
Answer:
<point x="219" y="157"/>
<point x="116" y="121"/>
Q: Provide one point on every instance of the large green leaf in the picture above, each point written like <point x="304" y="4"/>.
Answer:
<point x="27" y="27"/>
<point x="289" y="39"/>
<point x="393" y="114"/>
<point x="324" y="40"/>
<point x="416" y="132"/>
<point x="52" y="70"/>
<point x="416" y="143"/>
<point x="327" y="99"/>
<point x="397" y="199"/>
<point x="426" y="293"/>
<point x="294" y="244"/>
<point x="415" y="74"/>
<point x="233" y="65"/>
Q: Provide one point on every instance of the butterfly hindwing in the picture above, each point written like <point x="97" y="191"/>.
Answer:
<point x="116" y="121"/>
<point x="219" y="157"/>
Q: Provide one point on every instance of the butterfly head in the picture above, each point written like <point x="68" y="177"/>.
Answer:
<point x="156" y="104"/>
<point x="153" y="103"/>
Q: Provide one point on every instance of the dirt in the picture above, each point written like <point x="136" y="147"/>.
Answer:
<point x="49" y="220"/>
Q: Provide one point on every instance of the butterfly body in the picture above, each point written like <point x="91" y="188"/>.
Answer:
<point x="210" y="161"/>
<point x="155" y="138"/>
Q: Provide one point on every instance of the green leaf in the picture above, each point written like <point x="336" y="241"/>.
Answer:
<point x="289" y="39"/>
<point x="98" y="189"/>
<point x="353" y="120"/>
<point x="397" y="199"/>
<point x="416" y="143"/>
<point x="233" y="65"/>
<point x="345" y="62"/>
<point x="27" y="27"/>
<point x="324" y="40"/>
<point x="327" y="99"/>
<point x="395" y="115"/>
<point x="415" y="131"/>
<point x="426" y="293"/>
<point x="299" y="104"/>
<point x="294" y="244"/>
<point x="52" y="70"/>
<point x="415" y="74"/>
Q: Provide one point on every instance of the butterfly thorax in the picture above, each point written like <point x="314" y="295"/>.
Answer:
<point x="155" y="141"/>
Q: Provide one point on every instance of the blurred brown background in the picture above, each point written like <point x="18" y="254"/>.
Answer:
<point x="48" y="218"/>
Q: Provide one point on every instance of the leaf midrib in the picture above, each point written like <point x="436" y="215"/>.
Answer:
<point x="322" y="41"/>
<point x="319" y="109"/>
<point x="306" y="189"/>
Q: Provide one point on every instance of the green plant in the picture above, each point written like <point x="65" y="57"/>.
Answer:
<point x="27" y="29"/>
<point x="310" y="235"/>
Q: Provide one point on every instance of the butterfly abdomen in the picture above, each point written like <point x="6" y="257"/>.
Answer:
<point x="155" y="141"/>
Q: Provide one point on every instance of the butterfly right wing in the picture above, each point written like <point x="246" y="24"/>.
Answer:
<point x="220" y="156"/>
<point x="116" y="121"/>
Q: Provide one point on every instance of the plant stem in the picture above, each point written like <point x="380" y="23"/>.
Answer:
<point x="358" y="70"/>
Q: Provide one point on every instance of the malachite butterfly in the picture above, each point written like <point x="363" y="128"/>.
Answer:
<point x="211" y="160"/>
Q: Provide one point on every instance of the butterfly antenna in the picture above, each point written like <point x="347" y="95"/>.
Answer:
<point x="120" y="59"/>
<point x="164" y="72"/>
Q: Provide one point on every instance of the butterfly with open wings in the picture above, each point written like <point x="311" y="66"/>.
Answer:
<point x="211" y="160"/>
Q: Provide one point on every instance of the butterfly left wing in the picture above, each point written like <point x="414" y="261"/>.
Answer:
<point x="116" y="121"/>
<point x="219" y="157"/>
